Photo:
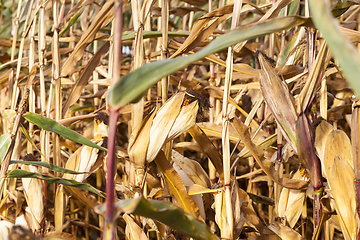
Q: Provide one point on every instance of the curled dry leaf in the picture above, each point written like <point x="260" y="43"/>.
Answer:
<point x="204" y="27"/>
<point x="321" y="133"/>
<point x="291" y="202"/>
<point x="340" y="177"/>
<point x="284" y="232"/>
<point x="132" y="230"/>
<point x="85" y="159"/>
<point x="176" y="186"/>
<point x="191" y="172"/>
<point x="280" y="101"/>
<point x="258" y="154"/>
<point x="34" y="194"/>
<point x="172" y="119"/>
<point x="104" y="16"/>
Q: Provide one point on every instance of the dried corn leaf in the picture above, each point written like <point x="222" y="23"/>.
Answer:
<point x="132" y="230"/>
<point x="175" y="185"/>
<point x="85" y="159"/>
<point x="204" y="27"/>
<point x="34" y="192"/>
<point x="191" y="172"/>
<point x="291" y="202"/>
<point x="340" y="177"/>
<point x="279" y="100"/>
<point x="284" y="232"/>
<point x="208" y="148"/>
<point x="338" y="144"/>
<point x="82" y="81"/>
<point x="104" y="16"/>
<point x="321" y="133"/>
<point x="313" y="80"/>
<point x="259" y="155"/>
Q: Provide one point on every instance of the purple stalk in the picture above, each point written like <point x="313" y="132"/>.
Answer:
<point x="308" y="157"/>
<point x="110" y="221"/>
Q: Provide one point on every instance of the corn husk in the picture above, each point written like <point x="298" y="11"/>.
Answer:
<point x="340" y="177"/>
<point x="34" y="193"/>
<point x="291" y="202"/>
<point x="85" y="159"/>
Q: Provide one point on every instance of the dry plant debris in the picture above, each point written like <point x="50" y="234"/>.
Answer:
<point x="179" y="119"/>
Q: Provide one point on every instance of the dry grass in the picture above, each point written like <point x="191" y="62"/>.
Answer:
<point x="179" y="119"/>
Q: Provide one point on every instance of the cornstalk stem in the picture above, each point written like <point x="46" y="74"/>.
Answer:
<point x="110" y="227"/>
<point x="110" y="221"/>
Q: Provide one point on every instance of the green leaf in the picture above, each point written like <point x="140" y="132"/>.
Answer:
<point x="134" y="84"/>
<point x="72" y="21"/>
<point x="18" y="173"/>
<point x="166" y="213"/>
<point x="5" y="142"/>
<point x="50" y="166"/>
<point x="26" y="134"/>
<point x="52" y="126"/>
<point x="293" y="7"/>
<point x="347" y="55"/>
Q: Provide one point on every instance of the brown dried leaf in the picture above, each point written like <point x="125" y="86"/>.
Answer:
<point x="104" y="16"/>
<point x="85" y="159"/>
<point x="291" y="202"/>
<point x="341" y="178"/>
<point x="132" y="230"/>
<point x="175" y="185"/>
<point x="82" y="81"/>
<point x="279" y="100"/>
<point x="204" y="27"/>
<point x="208" y="148"/>
<point x="34" y="193"/>
<point x="284" y="232"/>
<point x="258" y="154"/>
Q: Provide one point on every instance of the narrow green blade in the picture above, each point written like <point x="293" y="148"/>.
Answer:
<point x="344" y="51"/>
<point x="18" y="173"/>
<point x="134" y="85"/>
<point x="166" y="213"/>
<point x="52" y="126"/>
<point x="50" y="166"/>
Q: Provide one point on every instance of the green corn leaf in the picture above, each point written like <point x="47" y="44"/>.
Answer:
<point x="347" y="55"/>
<point x="52" y="126"/>
<point x="50" y="166"/>
<point x="135" y="84"/>
<point x="18" y="173"/>
<point x="164" y="212"/>
<point x="5" y="142"/>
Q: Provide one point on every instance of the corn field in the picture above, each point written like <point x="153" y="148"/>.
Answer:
<point x="182" y="119"/>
